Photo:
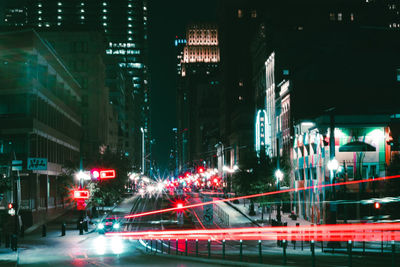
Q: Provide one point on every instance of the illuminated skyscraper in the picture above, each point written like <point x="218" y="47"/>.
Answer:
<point x="198" y="95"/>
<point x="124" y="25"/>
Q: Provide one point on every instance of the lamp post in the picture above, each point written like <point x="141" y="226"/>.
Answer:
<point x="333" y="166"/>
<point x="279" y="178"/>
<point x="143" y="151"/>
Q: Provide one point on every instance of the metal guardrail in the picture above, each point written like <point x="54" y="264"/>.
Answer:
<point x="271" y="252"/>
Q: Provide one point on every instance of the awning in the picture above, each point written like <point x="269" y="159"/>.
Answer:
<point x="357" y="146"/>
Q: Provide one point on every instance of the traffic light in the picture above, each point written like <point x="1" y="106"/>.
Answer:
<point x="102" y="174"/>
<point x="377" y="205"/>
<point x="107" y="174"/>
<point x="11" y="209"/>
<point x="179" y="205"/>
<point x="95" y="173"/>
<point x="81" y="194"/>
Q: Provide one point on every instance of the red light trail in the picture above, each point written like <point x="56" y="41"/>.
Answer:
<point x="262" y="194"/>
<point x="337" y="232"/>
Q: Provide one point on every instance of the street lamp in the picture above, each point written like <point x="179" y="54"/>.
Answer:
<point x="143" y="151"/>
<point x="333" y="166"/>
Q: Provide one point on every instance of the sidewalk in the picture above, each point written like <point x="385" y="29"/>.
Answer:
<point x="257" y="218"/>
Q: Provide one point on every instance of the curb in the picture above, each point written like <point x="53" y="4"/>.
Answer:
<point x="36" y="226"/>
<point x="241" y="212"/>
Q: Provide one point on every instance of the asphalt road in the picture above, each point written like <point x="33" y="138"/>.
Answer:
<point x="93" y="249"/>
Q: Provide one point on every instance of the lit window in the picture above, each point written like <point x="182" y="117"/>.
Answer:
<point x="82" y="4"/>
<point x="104" y="4"/>
<point x="129" y="18"/>
<point x="129" y="38"/>
<point x="59" y="17"/>
<point x="59" y="3"/>
<point x="39" y="12"/>
<point x="130" y="25"/>
<point x="104" y="17"/>
<point x="104" y="24"/>
<point x="82" y="11"/>
<point x="104" y="10"/>
<point x="40" y="24"/>
<point x="59" y="23"/>
<point x="47" y="25"/>
<point x="240" y="13"/>
<point x="254" y="14"/>
<point x="332" y="16"/>
<point x="339" y="16"/>
<point x="59" y="10"/>
<point x="40" y="18"/>
<point x="352" y="17"/>
<point x="129" y="5"/>
<point x="82" y="17"/>
<point x="129" y="32"/>
<point x="39" y="5"/>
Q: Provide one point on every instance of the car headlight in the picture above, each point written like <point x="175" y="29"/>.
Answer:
<point x="100" y="226"/>
<point x="116" y="225"/>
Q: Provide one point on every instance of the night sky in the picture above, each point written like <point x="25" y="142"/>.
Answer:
<point x="166" y="20"/>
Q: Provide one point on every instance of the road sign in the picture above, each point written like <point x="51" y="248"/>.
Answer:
<point x="37" y="164"/>
<point x="208" y="212"/>
<point x="16" y="165"/>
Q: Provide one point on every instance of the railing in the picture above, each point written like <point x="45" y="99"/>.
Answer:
<point x="280" y="252"/>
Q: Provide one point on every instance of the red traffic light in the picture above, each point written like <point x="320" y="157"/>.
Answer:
<point x="377" y="205"/>
<point x="107" y="174"/>
<point x="102" y="174"/>
<point x="179" y="205"/>
<point x="10" y="206"/>
<point x="200" y="170"/>
<point x="81" y="194"/>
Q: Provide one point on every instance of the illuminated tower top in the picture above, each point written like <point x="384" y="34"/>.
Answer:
<point x="202" y="44"/>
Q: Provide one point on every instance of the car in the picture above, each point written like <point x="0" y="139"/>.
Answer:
<point x="109" y="224"/>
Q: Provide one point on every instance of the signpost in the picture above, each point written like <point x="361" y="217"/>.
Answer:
<point x="37" y="164"/>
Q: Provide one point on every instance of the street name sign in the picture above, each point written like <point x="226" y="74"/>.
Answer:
<point x="16" y="165"/>
<point x="37" y="164"/>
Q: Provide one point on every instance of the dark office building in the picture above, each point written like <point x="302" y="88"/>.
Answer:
<point x="39" y="118"/>
<point x="124" y="24"/>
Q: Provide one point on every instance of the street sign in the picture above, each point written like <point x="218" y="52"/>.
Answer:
<point x="208" y="212"/>
<point x="37" y="164"/>
<point x="16" y="165"/>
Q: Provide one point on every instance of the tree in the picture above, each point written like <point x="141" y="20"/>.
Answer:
<point x="108" y="192"/>
<point x="258" y="176"/>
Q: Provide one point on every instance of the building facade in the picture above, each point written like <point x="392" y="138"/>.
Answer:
<point x="40" y="118"/>
<point x="124" y="25"/>
<point x="83" y="53"/>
